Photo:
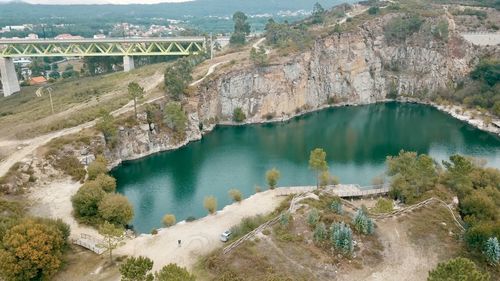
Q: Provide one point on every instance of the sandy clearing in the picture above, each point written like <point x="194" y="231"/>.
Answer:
<point x="199" y="237"/>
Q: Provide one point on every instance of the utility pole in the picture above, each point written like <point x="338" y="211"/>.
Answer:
<point x="211" y="46"/>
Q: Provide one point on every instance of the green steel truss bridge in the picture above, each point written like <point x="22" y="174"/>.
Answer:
<point x="128" y="48"/>
<point x="175" y="46"/>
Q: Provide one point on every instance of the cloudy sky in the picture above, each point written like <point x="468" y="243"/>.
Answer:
<point x="121" y="2"/>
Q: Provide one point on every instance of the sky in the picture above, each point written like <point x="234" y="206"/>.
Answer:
<point x="119" y="2"/>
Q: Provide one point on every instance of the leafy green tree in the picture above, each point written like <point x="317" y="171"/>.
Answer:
<point x="341" y="238"/>
<point x="362" y="223"/>
<point x="238" y="115"/>
<point x="106" y="182"/>
<point x="272" y="177"/>
<point x="169" y="220"/>
<point x="320" y="233"/>
<point x="492" y="251"/>
<point x="173" y="272"/>
<point x="137" y="269"/>
<point x="175" y="118"/>
<point x="235" y="194"/>
<point x="317" y="163"/>
<point x="116" y="209"/>
<point x="458" y="175"/>
<point x="177" y="77"/>
<point x="96" y="168"/>
<point x="135" y="92"/>
<point x="112" y="235"/>
<point x="210" y="203"/>
<point x="259" y="57"/>
<point x="313" y="217"/>
<point x="31" y="250"/>
<point x="107" y="125"/>
<point x="86" y="200"/>
<point x="241" y="29"/>
<point x="55" y="75"/>
<point x="487" y="71"/>
<point x="318" y="14"/>
<point x="373" y="10"/>
<point x="457" y="269"/>
<point x="412" y="175"/>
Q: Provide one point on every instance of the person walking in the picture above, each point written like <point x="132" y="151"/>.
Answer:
<point x="179" y="242"/>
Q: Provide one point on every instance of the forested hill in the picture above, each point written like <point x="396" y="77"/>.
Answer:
<point x="18" y="13"/>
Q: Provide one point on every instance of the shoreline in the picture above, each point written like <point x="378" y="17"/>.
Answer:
<point x="451" y="110"/>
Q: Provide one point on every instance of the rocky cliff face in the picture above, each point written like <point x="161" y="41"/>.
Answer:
<point x="353" y="67"/>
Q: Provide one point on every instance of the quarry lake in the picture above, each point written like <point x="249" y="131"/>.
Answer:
<point x="356" y="139"/>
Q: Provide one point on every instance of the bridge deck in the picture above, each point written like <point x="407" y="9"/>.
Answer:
<point x="341" y="190"/>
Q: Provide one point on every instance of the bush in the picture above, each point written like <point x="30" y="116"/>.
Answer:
<point x="107" y="125"/>
<point x="177" y="77"/>
<point x="400" y="28"/>
<point x="107" y="183"/>
<point x="86" y="200"/>
<point x="137" y="269"/>
<point x="116" y="209"/>
<point x="32" y="250"/>
<point x="373" y="10"/>
<point x="173" y="272"/>
<point x="272" y="177"/>
<point x="168" y="220"/>
<point x="285" y="218"/>
<point x="336" y="206"/>
<point x="492" y="251"/>
<point x="384" y="205"/>
<point x="174" y="117"/>
<point x="71" y="166"/>
<point x="235" y="194"/>
<point x="341" y="238"/>
<point x="210" y="203"/>
<point x="457" y="269"/>
<point x="247" y="225"/>
<point x="313" y="217"/>
<point x="320" y="232"/>
<point x="96" y="168"/>
<point x="238" y="115"/>
<point x="362" y="223"/>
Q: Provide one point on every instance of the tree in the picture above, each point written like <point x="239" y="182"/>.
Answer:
<point x="341" y="238"/>
<point x="235" y="194"/>
<point x="457" y="269"/>
<point x="137" y="269"/>
<point x="112" y="236"/>
<point x="362" y="223"/>
<point x="487" y="71"/>
<point x="173" y="272"/>
<point x="373" y="10"/>
<point x="96" y="168"/>
<point x="210" y="203"/>
<point x="116" y="209"/>
<point x="106" y="182"/>
<point x="400" y="28"/>
<point x="175" y="118"/>
<point x="168" y="220"/>
<point x="31" y="250"/>
<point x="320" y="232"/>
<point x="317" y="163"/>
<point x="54" y="75"/>
<point x="313" y="217"/>
<point x="258" y="57"/>
<point x="177" y="77"/>
<point x="272" y="177"/>
<point x="336" y="206"/>
<point x="492" y="251"/>
<point x="106" y="124"/>
<point x="238" y="115"/>
<point x="241" y="29"/>
<point x="86" y="200"/>
<point x="135" y="92"/>
<point x="318" y="14"/>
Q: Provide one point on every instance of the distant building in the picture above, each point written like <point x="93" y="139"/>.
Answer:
<point x="99" y="36"/>
<point x="39" y="80"/>
<point x="32" y="36"/>
<point x="67" y="37"/>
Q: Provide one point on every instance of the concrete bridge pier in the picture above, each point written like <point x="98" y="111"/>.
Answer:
<point x="9" y="77"/>
<point x="128" y="63"/>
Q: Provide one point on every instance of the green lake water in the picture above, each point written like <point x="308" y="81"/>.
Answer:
<point x="356" y="139"/>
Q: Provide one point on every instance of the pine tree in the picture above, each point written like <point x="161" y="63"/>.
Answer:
<point x="492" y="250"/>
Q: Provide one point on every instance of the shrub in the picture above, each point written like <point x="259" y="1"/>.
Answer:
<point x="116" y="209"/>
<point x="106" y="182"/>
<point x="373" y="10"/>
<point x="362" y="223"/>
<point x="384" y="205"/>
<point x="173" y="272"/>
<point x="210" y="203"/>
<point x="190" y="219"/>
<point x="71" y="166"/>
<point x="457" y="269"/>
<point x="336" y="206"/>
<point x="285" y="218"/>
<point x="341" y="238"/>
<point x="137" y="269"/>
<point x="154" y="231"/>
<point x="235" y="194"/>
<point x="247" y="224"/>
<point x="272" y="177"/>
<point x="320" y="232"/>
<point x="258" y="57"/>
<point x="313" y="217"/>
<point x="492" y="251"/>
<point x="174" y="117"/>
<point x="96" y="168"/>
<point x="107" y="126"/>
<point x="400" y="28"/>
<point x="238" y="115"/>
<point x="86" y="200"/>
<point x="168" y="220"/>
